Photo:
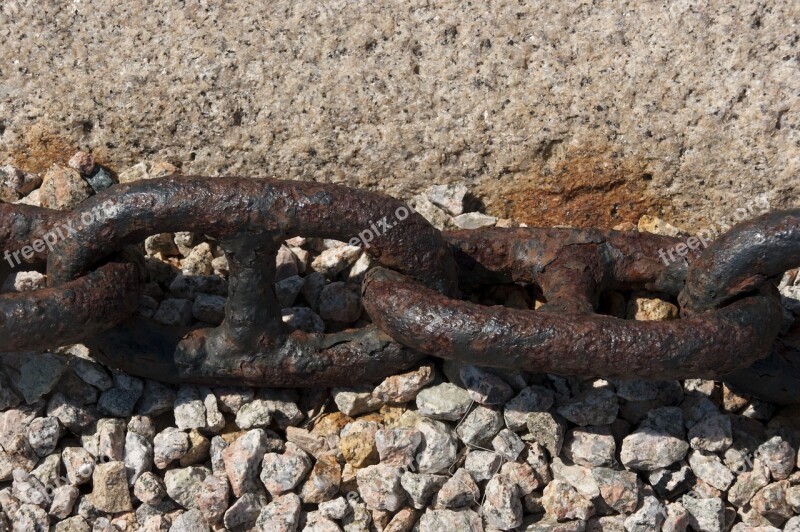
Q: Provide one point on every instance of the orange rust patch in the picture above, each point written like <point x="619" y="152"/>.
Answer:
<point x="40" y="149"/>
<point x="583" y="191"/>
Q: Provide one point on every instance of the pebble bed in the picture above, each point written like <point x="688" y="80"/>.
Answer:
<point x="441" y="447"/>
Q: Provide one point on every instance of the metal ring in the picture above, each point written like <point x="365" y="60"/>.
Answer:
<point x="743" y="259"/>
<point x="53" y="317"/>
<point x="251" y="217"/>
<point x="706" y="345"/>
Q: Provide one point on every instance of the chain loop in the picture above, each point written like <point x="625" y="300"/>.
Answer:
<point x="572" y="267"/>
<point x="53" y="317"/>
<point x="251" y="218"/>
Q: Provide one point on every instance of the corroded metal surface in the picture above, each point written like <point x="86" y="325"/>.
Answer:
<point x="251" y="218"/>
<point x="733" y="315"/>
<point x="744" y="258"/>
<point x="569" y="264"/>
<point x="229" y="206"/>
<point x="708" y="345"/>
<point x="70" y="313"/>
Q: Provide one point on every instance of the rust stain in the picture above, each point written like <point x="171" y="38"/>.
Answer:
<point x="40" y="149"/>
<point x="583" y="190"/>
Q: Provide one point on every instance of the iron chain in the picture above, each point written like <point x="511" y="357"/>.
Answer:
<point x="731" y="314"/>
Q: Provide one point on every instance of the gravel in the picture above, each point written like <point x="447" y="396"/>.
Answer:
<point x="440" y="446"/>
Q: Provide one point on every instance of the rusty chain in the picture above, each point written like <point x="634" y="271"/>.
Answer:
<point x="731" y="314"/>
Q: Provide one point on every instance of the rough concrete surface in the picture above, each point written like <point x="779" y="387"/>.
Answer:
<point x="584" y="113"/>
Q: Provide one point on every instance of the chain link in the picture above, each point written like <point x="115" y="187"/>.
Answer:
<point x="732" y="315"/>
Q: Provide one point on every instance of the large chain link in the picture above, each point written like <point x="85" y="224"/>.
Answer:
<point x="732" y="315"/>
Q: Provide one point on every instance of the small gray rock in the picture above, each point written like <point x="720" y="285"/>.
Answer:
<point x="502" y="507"/>
<point x="209" y="308"/>
<point x="459" y="490"/>
<point x="439" y="447"/>
<point x="244" y="512"/>
<point x="355" y="401"/>
<point x="404" y="387"/>
<point x="482" y="465"/>
<point x="63" y="500"/>
<point x="707" y="514"/>
<point x="241" y="459"/>
<point x="283" y="472"/>
<point x="190" y="521"/>
<point x="590" y="446"/>
<point x="255" y="414"/>
<point x="597" y="406"/>
<point x="73" y="416"/>
<point x="335" y="260"/>
<point x="397" y="446"/>
<point x="16" y="184"/>
<point x="285" y="264"/>
<point x="448" y="197"/>
<point x="119" y="400"/>
<point x="420" y="487"/>
<point x="713" y="433"/>
<point x="92" y="373"/>
<point x="138" y="456"/>
<point x="461" y="519"/>
<point x="43" y="434"/>
<point x="190" y="412"/>
<point x="183" y="484"/>
<point x="474" y="220"/>
<point x="283" y="405"/>
<point x="380" y="487"/>
<point x="303" y="319"/>
<point x="212" y="498"/>
<point x="648" y="518"/>
<point x="79" y="465"/>
<point x="101" y="180"/>
<point x="443" y="401"/>
<point x="287" y="290"/>
<point x="619" y="489"/>
<point x="281" y="515"/>
<point x="30" y="518"/>
<point x="529" y="399"/>
<point x="480" y="426"/>
<point x="648" y="449"/>
<point x="340" y="302"/>
<point x="778" y="455"/>
<point x="508" y="445"/>
<point x="39" y="374"/>
<point x="169" y="445"/>
<point x="149" y="488"/>
<point x="312" y="288"/>
<point x="335" y="509"/>
<point x="709" y="468"/>
<point x="548" y="430"/>
<point x="484" y="387"/>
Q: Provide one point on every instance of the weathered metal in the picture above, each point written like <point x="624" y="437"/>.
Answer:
<point x="707" y="345"/>
<point x="733" y="315"/>
<point x="746" y="257"/>
<point x="70" y="313"/>
<point x="251" y="218"/>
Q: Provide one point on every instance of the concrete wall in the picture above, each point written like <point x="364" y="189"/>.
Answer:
<point x="585" y="113"/>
